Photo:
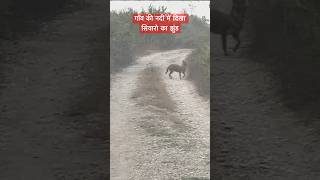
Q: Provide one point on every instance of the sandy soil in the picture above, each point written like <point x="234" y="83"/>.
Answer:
<point x="171" y="151"/>
<point x="255" y="135"/>
<point x="49" y="127"/>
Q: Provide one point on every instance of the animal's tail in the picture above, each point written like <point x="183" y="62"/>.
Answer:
<point x="167" y="70"/>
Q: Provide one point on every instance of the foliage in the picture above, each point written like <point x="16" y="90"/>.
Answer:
<point x="288" y="32"/>
<point x="126" y="41"/>
<point x="285" y="25"/>
<point x="199" y="68"/>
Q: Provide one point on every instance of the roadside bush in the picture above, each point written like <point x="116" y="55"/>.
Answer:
<point x="199" y="69"/>
<point x="288" y="38"/>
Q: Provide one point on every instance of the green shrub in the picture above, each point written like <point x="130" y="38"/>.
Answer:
<point x="199" y="68"/>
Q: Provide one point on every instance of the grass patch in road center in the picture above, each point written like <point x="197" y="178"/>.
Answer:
<point x="152" y="90"/>
<point x="160" y="118"/>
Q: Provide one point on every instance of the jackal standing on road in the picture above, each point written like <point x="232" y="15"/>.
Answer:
<point x="177" y="68"/>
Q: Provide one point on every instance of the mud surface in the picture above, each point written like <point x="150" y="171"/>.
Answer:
<point x="50" y="128"/>
<point x="255" y="135"/>
<point x="148" y="142"/>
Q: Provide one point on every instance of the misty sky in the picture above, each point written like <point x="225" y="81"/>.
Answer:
<point x="200" y="8"/>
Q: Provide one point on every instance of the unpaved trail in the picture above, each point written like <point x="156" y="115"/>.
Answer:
<point x="255" y="135"/>
<point x="46" y="133"/>
<point x="177" y="151"/>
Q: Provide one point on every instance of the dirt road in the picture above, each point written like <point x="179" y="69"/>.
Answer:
<point x="255" y="135"/>
<point x="51" y="127"/>
<point x="173" y="149"/>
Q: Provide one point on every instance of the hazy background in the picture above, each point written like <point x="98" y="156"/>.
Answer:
<point x="197" y="8"/>
<point x="126" y="42"/>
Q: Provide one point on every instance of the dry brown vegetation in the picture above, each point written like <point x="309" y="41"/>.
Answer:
<point x="151" y="93"/>
<point x="152" y="90"/>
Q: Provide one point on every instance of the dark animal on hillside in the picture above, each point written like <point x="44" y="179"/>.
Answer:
<point x="177" y="68"/>
<point x="230" y="24"/>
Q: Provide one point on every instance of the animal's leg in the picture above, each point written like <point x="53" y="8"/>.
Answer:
<point x="224" y="43"/>
<point x="184" y="74"/>
<point x="236" y="37"/>
<point x="180" y="75"/>
<point x="170" y="74"/>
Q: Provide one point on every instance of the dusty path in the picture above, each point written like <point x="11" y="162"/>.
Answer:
<point x="135" y="152"/>
<point x="255" y="135"/>
<point x="47" y="130"/>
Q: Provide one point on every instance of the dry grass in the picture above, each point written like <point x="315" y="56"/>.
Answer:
<point x="152" y="90"/>
<point x="160" y="119"/>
